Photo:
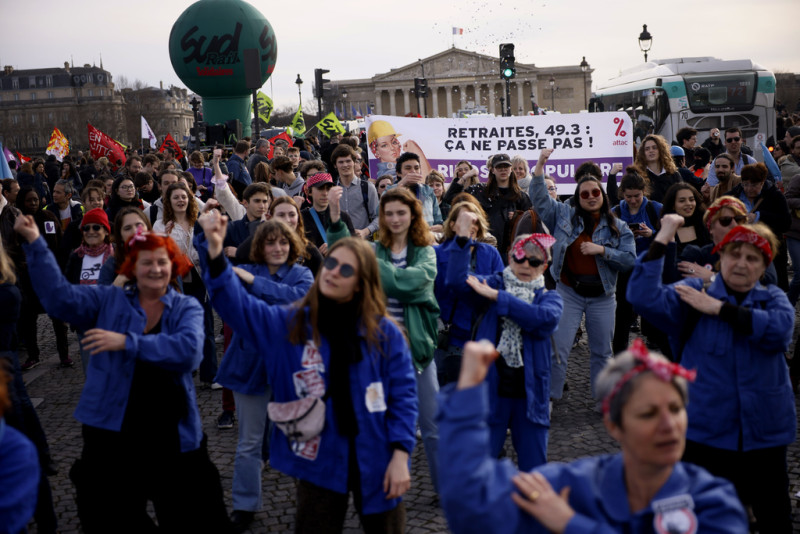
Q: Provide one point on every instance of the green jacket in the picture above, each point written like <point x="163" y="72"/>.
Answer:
<point x="413" y="287"/>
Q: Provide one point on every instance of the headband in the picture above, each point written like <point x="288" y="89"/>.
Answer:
<point x="723" y="202"/>
<point x="543" y="241"/>
<point x="663" y="370"/>
<point x="742" y="234"/>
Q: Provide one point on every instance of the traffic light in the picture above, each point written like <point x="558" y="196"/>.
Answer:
<point x="507" y="68"/>
<point x="421" y="87"/>
<point x="319" y="82"/>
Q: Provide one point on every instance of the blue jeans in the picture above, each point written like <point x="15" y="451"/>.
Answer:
<point x="529" y="439"/>
<point x="599" y="313"/>
<point x="427" y="390"/>
<point x="252" y="411"/>
<point x="793" y="246"/>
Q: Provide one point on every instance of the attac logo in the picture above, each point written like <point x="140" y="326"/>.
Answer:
<point x="221" y="50"/>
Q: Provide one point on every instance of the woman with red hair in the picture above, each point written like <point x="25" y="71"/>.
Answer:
<point x="142" y="436"/>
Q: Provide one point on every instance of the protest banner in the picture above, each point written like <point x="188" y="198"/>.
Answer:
<point x="604" y="138"/>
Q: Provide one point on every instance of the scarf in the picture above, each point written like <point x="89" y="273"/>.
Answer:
<point x="339" y="323"/>
<point x="106" y="250"/>
<point x="510" y="345"/>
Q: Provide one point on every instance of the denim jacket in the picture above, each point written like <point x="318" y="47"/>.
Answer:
<point x="620" y="250"/>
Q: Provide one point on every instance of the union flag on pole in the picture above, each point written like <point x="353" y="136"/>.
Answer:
<point x="103" y="145"/>
<point x="22" y="159"/>
<point x="171" y="143"/>
<point x="58" y="145"/>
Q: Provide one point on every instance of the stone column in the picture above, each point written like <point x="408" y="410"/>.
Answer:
<point x="492" y="99"/>
<point x="435" y="98"/>
<point x="378" y="103"/>
<point x="462" y="91"/>
<point x="449" y="94"/>
<point x="406" y="102"/>
<point x="392" y="103"/>
<point x="520" y="102"/>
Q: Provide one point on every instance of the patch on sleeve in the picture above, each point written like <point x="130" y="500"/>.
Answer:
<point x="675" y="515"/>
<point x="375" y="400"/>
<point x="49" y="227"/>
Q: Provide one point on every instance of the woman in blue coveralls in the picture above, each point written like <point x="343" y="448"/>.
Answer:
<point x="275" y="278"/>
<point x="735" y="332"/>
<point x="337" y="344"/>
<point x="484" y="259"/>
<point x="142" y="436"/>
<point x="521" y="318"/>
<point x="644" y="489"/>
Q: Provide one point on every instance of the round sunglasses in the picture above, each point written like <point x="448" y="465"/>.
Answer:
<point x="586" y="194"/>
<point x="345" y="269"/>
<point x="92" y="228"/>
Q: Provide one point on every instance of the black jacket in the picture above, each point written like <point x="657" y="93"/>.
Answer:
<point x="772" y="207"/>
<point x="312" y="232"/>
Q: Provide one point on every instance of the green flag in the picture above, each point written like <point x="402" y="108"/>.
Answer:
<point x="264" y="107"/>
<point x="298" y="125"/>
<point x="330" y="125"/>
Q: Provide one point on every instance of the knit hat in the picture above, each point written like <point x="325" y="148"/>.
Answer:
<point x="96" y="216"/>
<point x="304" y="154"/>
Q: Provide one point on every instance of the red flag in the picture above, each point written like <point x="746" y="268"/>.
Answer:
<point x="284" y="136"/>
<point x="22" y="159"/>
<point x="171" y="143"/>
<point x="103" y="145"/>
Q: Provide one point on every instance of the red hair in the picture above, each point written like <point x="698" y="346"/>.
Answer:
<point x="152" y="241"/>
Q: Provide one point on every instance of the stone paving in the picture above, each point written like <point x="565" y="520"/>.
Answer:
<point x="576" y="431"/>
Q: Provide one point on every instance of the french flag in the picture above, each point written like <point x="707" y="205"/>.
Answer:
<point x="458" y="31"/>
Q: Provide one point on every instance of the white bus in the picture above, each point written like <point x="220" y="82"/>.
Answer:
<point x="663" y="96"/>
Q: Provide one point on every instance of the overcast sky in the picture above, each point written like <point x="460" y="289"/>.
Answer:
<point x="358" y="39"/>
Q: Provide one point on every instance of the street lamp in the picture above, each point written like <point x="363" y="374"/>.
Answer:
<point x="645" y="41"/>
<point x="584" y="69"/>
<point x="344" y="97"/>
<point x="552" y="83"/>
<point x="299" y="83"/>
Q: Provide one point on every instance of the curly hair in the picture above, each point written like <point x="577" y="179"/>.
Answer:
<point x="419" y="232"/>
<point x="191" y="208"/>
<point x="273" y="230"/>
<point x="180" y="263"/>
<point x="369" y="296"/>
<point x="664" y="156"/>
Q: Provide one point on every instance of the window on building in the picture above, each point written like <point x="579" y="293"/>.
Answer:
<point x="174" y="123"/>
<point x="15" y="83"/>
<point x="50" y="94"/>
<point x="91" y="92"/>
<point x="33" y="118"/>
<point x="32" y="81"/>
<point x="50" y="115"/>
<point x="15" y="119"/>
<point x="35" y="139"/>
<point x="102" y="92"/>
<point x="16" y="96"/>
<point x="65" y="116"/>
<point x="48" y="80"/>
<point x="33" y="96"/>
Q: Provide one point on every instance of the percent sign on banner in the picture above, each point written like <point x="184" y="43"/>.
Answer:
<point x="620" y="127"/>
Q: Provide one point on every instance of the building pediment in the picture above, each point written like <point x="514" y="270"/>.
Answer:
<point x="451" y="63"/>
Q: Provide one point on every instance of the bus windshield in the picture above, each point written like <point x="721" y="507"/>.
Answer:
<point x="721" y="92"/>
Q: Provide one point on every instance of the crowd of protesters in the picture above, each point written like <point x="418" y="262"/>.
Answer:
<point x="348" y="301"/>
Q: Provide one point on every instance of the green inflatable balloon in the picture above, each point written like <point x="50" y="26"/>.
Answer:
<point x="206" y="47"/>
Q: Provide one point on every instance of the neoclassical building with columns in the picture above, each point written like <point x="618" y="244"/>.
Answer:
<point x="463" y="80"/>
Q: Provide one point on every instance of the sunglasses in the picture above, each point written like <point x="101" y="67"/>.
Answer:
<point x="345" y="269"/>
<point x="92" y="228"/>
<point x="593" y="193"/>
<point x="732" y="139"/>
<point x="533" y="262"/>
<point x="727" y="220"/>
